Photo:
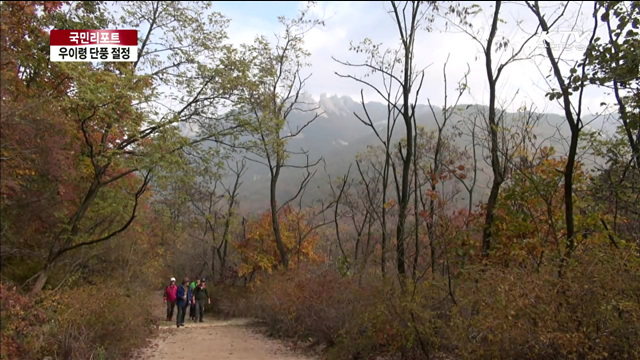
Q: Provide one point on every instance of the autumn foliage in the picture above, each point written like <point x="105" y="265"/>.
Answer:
<point x="104" y="197"/>
<point x="513" y="305"/>
<point x="60" y="124"/>
<point x="497" y="313"/>
<point x="258" y="250"/>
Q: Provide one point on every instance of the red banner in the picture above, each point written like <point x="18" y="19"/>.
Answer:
<point x="94" y="37"/>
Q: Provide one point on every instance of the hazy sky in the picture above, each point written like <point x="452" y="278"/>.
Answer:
<point x="522" y="83"/>
<point x="353" y="21"/>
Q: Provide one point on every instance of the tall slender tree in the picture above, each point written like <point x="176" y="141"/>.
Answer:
<point x="402" y="85"/>
<point x="276" y="91"/>
<point x="492" y="44"/>
<point x="569" y="84"/>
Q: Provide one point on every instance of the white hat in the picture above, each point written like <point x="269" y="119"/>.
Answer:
<point x="173" y="279"/>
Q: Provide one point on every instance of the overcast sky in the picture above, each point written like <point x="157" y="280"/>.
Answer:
<point x="347" y="21"/>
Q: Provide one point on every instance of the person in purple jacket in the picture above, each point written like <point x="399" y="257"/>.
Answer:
<point x="183" y="298"/>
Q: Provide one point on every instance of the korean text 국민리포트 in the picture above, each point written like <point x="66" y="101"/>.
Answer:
<point x="94" y="45"/>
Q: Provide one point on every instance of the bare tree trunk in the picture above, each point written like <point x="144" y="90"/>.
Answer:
<point x="277" y="86"/>
<point x="383" y="239"/>
<point x="56" y="252"/>
<point x="223" y="264"/>
<point x="568" y="191"/>
<point x="213" y="243"/>
<point x="404" y="204"/>
<point x="431" y="224"/>
<point x="359" y="231"/>
<point x="471" y="188"/>
<point x="488" y="222"/>
<point x="416" y="255"/>
<point x="57" y="245"/>
<point x="43" y="275"/>
<point x="407" y="35"/>
<point x="367" y="247"/>
<point x="498" y="178"/>
<point x="574" y="121"/>
<point x="213" y="263"/>
<point x="274" y="217"/>
<point x="335" y="218"/>
<point x="498" y="167"/>
<point x="227" y="224"/>
<point x="409" y="20"/>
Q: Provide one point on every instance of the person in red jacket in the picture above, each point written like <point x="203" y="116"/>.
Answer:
<point x="170" y="298"/>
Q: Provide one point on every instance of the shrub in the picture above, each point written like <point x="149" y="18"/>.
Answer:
<point x="592" y="311"/>
<point x="229" y="301"/>
<point x="309" y="302"/>
<point x="354" y="317"/>
<point x="21" y="331"/>
<point x="81" y="323"/>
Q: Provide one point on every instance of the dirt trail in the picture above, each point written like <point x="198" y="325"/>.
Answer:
<point x="237" y="339"/>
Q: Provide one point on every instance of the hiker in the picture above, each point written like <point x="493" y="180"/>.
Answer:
<point x="201" y="294"/>
<point x="192" y="303"/>
<point x="183" y="297"/>
<point x="170" y="297"/>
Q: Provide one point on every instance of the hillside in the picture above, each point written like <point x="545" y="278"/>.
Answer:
<point x="337" y="136"/>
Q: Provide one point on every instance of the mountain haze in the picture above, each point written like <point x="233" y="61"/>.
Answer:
<point x="338" y="136"/>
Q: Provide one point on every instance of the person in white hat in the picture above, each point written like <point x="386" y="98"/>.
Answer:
<point x="170" y="297"/>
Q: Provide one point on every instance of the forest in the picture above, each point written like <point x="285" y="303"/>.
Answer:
<point x="453" y="230"/>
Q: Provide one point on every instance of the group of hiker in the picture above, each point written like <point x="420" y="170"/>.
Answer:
<point x="194" y="295"/>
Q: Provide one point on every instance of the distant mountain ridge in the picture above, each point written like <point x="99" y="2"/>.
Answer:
<point x="337" y="136"/>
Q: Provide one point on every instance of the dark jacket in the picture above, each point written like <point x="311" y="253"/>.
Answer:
<point x="183" y="295"/>
<point x="201" y="294"/>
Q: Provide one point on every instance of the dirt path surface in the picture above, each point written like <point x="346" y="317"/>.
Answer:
<point x="236" y="339"/>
